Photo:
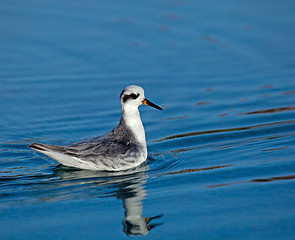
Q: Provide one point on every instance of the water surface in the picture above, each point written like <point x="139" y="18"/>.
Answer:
<point x="221" y="154"/>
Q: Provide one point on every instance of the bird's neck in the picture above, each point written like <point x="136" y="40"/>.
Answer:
<point x="132" y="119"/>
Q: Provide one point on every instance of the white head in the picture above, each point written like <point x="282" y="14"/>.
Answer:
<point x="133" y="96"/>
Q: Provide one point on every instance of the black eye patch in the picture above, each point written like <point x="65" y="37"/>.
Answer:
<point x="130" y="96"/>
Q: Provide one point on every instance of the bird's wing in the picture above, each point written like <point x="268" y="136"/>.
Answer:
<point x="102" y="148"/>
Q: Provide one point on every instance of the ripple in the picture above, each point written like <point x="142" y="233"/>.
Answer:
<point x="236" y="129"/>
<point x="163" y="162"/>
<point x="271" y="110"/>
<point x="288" y="92"/>
<point x="258" y="180"/>
<point x="190" y="170"/>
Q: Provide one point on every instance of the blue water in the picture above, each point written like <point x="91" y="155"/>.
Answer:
<point x="221" y="155"/>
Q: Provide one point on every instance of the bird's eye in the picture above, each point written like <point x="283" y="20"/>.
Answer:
<point x="133" y="95"/>
<point x="130" y="96"/>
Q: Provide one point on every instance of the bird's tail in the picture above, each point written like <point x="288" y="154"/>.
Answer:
<point x="40" y="147"/>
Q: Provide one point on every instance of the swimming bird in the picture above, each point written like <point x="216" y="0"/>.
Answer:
<point x="122" y="148"/>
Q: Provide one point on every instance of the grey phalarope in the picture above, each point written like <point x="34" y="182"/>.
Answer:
<point x="122" y="148"/>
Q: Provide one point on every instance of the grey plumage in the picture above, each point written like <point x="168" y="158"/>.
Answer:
<point x="119" y="143"/>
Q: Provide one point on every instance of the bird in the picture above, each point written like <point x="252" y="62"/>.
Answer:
<point x="122" y="148"/>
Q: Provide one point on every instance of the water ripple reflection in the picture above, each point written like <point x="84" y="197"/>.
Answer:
<point x="236" y="129"/>
<point x="258" y="180"/>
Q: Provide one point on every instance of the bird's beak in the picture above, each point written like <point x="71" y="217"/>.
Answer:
<point x="148" y="103"/>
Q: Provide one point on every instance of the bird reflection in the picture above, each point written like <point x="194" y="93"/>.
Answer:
<point x="132" y="194"/>
<point x="130" y="188"/>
